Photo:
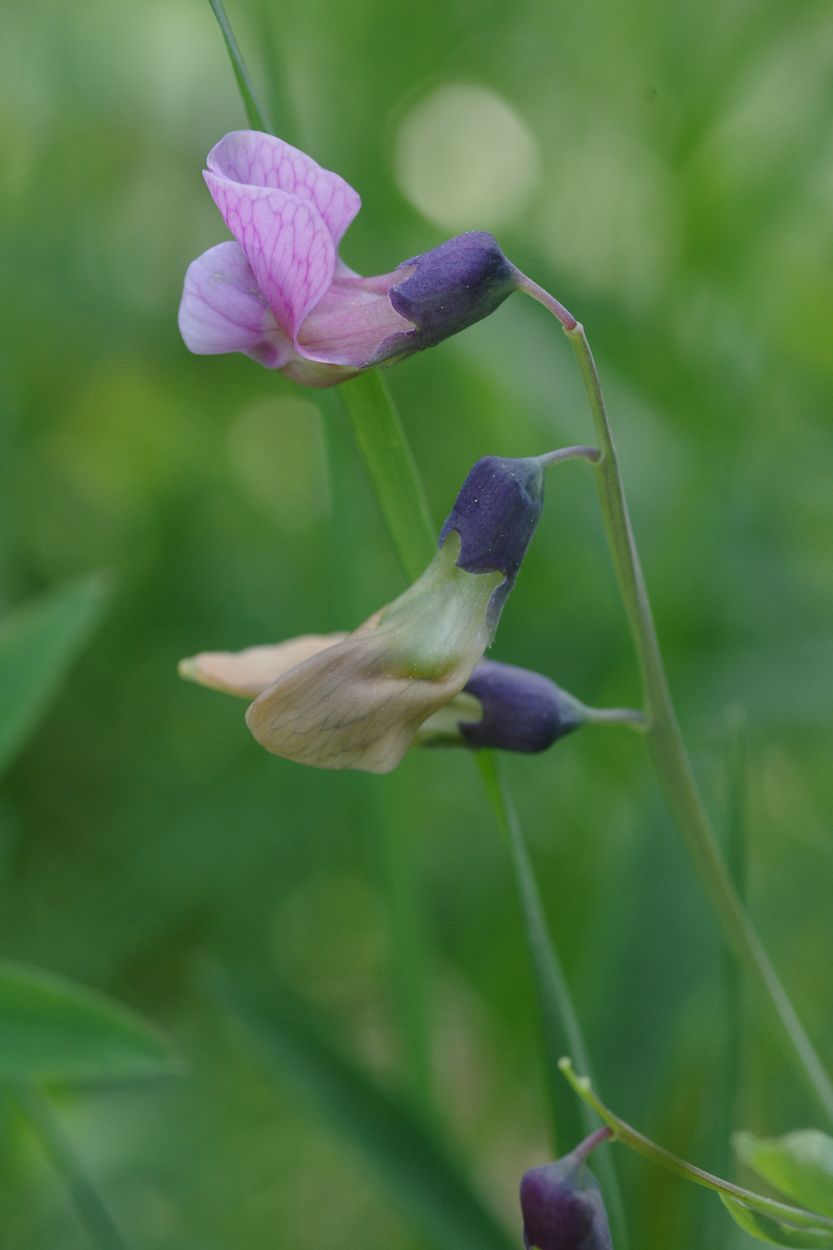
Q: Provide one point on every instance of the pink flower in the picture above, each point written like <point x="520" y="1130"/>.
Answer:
<point x="282" y="295"/>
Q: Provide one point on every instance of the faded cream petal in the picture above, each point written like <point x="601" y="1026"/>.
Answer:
<point x="359" y="704"/>
<point x="247" y="673"/>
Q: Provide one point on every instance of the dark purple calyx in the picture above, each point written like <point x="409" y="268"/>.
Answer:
<point x="563" y="1209"/>
<point x="449" y="288"/>
<point x="495" y="514"/>
<point x="522" y="710"/>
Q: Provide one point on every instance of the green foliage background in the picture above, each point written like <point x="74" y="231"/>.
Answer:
<point x="683" y="211"/>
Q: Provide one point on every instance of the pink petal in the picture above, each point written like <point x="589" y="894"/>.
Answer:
<point x="222" y="310"/>
<point x="255" y="159"/>
<point x="286" y="243"/>
<point x="351" y="322"/>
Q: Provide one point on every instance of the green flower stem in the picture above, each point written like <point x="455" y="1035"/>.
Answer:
<point x="664" y="737"/>
<point x="255" y="114"/>
<point x="385" y="451"/>
<point x="628" y="716"/>
<point x="89" y="1206"/>
<point x="560" y="1024"/>
<point x="570" y="453"/>
<point x="629" y="1136"/>
<point x="393" y="473"/>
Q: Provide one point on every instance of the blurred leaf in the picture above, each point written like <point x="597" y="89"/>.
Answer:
<point x="799" y="1164"/>
<point x="53" y="1029"/>
<point x="417" y="1168"/>
<point x="38" y="643"/>
<point x="776" y="1232"/>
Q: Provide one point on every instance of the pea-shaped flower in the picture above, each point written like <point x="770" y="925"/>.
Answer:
<point x="282" y="295"/>
<point x="562" y="1205"/>
<point x="359" y="700"/>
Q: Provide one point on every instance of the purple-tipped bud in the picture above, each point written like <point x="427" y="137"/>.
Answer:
<point x="451" y="287"/>
<point x="563" y="1208"/>
<point x="522" y="710"/>
<point x="495" y="514"/>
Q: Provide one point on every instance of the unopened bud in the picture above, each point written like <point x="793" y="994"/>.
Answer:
<point x="522" y="710"/>
<point x="495" y="514"/>
<point x="563" y="1208"/>
<point x="451" y="287"/>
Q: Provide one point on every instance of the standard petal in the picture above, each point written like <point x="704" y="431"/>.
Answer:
<point x="260" y="160"/>
<point x="286" y="242"/>
<point x="222" y="310"/>
<point x="247" y="673"/>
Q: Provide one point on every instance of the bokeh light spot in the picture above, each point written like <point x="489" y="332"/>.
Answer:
<point x="465" y="158"/>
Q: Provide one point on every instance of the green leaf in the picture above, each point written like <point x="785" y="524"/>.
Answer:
<point x="38" y="643"/>
<point x="800" y="1165"/>
<point x="778" y="1232"/>
<point x="54" y="1030"/>
<point x="390" y="464"/>
<point x="416" y="1167"/>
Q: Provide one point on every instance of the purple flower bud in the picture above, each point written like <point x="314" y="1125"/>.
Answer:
<point x="522" y="710"/>
<point x="450" y="288"/>
<point x="563" y="1208"/>
<point x="495" y="514"/>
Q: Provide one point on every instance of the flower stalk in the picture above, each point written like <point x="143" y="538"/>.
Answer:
<point x="620" y="1130"/>
<point x="663" y="732"/>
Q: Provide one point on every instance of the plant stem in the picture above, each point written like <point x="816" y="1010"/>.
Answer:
<point x="560" y="1026"/>
<point x="628" y="716"/>
<point x="255" y="114"/>
<point x="664" y="737"/>
<point x="390" y="464"/>
<point x="629" y="1136"/>
<point x="88" y="1204"/>
<point x="569" y="453"/>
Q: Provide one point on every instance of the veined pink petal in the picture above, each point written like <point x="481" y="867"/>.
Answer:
<point x="223" y="310"/>
<point x="260" y="160"/>
<point x="351" y="321"/>
<point x="286" y="243"/>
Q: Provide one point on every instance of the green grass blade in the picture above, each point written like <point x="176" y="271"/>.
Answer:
<point x="90" y="1207"/>
<point x="255" y="113"/>
<point x="415" y="1166"/>
<point x="560" y="1027"/>
<point x="52" y="1029"/>
<point x="398" y="875"/>
<point x="390" y="464"/>
<point x="38" y="643"/>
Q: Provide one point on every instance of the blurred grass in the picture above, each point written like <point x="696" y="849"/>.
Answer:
<point x="682" y="209"/>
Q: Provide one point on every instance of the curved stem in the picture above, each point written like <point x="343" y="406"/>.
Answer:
<point x="629" y="1136"/>
<point x="569" y="453"/>
<point x="664" y="738"/>
<point x="628" y="716"/>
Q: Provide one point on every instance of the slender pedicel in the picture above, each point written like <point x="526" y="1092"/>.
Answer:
<point x="668" y="750"/>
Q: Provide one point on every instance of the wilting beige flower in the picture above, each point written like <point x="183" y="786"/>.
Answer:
<point x="359" y="700"/>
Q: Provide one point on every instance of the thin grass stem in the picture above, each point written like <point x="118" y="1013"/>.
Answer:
<point x="255" y="113"/>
